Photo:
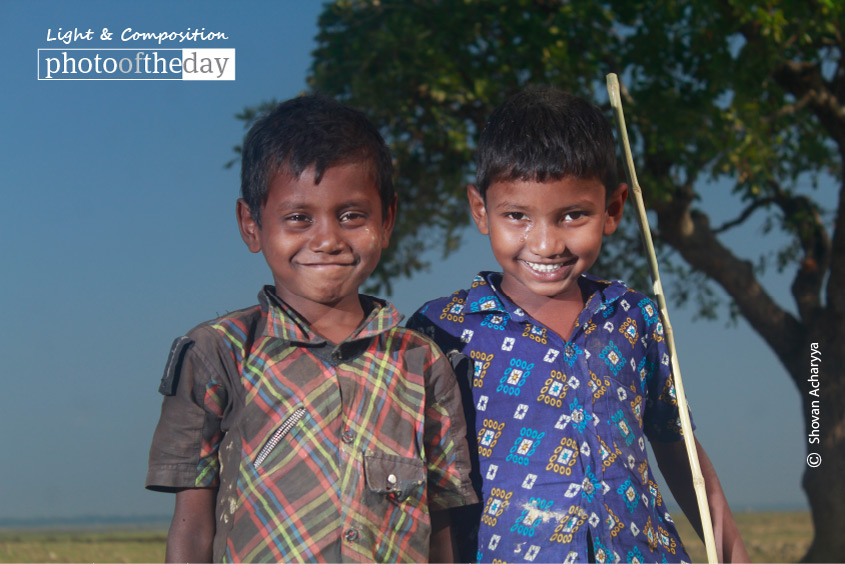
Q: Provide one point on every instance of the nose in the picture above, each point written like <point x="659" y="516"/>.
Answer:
<point x="326" y="237"/>
<point x="546" y="240"/>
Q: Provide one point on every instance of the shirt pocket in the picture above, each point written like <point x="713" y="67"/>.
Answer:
<point x="394" y="501"/>
<point x="395" y="477"/>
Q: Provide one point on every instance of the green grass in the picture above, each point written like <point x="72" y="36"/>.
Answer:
<point x="769" y="537"/>
<point x="107" y="546"/>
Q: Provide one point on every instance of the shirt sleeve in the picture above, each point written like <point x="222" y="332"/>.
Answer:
<point x="184" y="449"/>
<point x="446" y="452"/>
<point x="661" y="421"/>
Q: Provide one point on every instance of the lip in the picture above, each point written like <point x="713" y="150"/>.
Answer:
<point x="326" y="264"/>
<point x="549" y="270"/>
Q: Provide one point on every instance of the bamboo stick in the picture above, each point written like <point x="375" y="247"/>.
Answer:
<point x="645" y="232"/>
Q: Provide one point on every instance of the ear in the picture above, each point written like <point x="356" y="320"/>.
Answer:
<point x="615" y="206"/>
<point x="250" y="232"/>
<point x="478" y="209"/>
<point x="388" y="222"/>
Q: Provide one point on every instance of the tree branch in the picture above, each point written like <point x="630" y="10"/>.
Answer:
<point x="690" y="234"/>
<point x="804" y="80"/>
<point x="802" y="218"/>
<point x="835" y="294"/>
<point x="746" y="213"/>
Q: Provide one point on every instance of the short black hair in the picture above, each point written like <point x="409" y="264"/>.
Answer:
<point x="312" y="129"/>
<point x="543" y="133"/>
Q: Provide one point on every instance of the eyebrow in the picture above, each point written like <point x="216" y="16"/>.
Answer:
<point x="508" y="205"/>
<point x="289" y="205"/>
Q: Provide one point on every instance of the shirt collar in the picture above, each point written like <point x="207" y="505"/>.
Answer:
<point x="285" y="323"/>
<point x="485" y="295"/>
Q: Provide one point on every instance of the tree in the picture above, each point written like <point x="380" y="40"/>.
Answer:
<point x="736" y="90"/>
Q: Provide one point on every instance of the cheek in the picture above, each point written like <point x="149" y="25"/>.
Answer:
<point x="380" y="237"/>
<point x="369" y="242"/>
<point x="370" y="237"/>
<point x="508" y="238"/>
<point x="587" y="244"/>
<point x="283" y="248"/>
<point x="503" y="244"/>
<point x="377" y="236"/>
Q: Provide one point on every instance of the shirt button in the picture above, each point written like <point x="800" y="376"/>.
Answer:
<point x="348" y="437"/>
<point x="351" y="535"/>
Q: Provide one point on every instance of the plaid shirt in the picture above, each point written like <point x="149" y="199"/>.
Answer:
<point x="560" y="426"/>
<point x="319" y="452"/>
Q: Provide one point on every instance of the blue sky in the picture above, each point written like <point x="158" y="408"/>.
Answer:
<point x="118" y="234"/>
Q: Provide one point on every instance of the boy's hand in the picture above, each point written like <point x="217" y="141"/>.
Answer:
<point x="192" y="529"/>
<point x="673" y="462"/>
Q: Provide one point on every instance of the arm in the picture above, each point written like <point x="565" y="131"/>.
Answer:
<point x="192" y="529"/>
<point x="674" y="465"/>
<point x="448" y="458"/>
<point x="441" y="547"/>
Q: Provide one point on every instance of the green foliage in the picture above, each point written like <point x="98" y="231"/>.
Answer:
<point x="702" y="89"/>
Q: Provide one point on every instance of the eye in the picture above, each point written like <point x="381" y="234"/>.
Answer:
<point x="516" y="216"/>
<point x="352" y="217"/>
<point x="573" y="216"/>
<point x="297" y="218"/>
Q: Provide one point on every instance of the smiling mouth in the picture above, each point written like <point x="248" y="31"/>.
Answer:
<point x="547" y="268"/>
<point x="326" y="264"/>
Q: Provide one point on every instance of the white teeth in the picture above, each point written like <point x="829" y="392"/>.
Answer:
<point x="543" y="267"/>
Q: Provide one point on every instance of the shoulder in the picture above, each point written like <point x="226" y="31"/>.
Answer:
<point x="210" y="348"/>
<point x="208" y="352"/>
<point x="637" y="304"/>
<point x="616" y="295"/>
<point x="627" y="293"/>
<point x="419" y="358"/>
<point x="448" y="320"/>
<point x="627" y="310"/>
<point x="433" y="308"/>
<point x="449" y="309"/>
<point x="441" y="320"/>
<point x="232" y="326"/>
<point x="410" y="343"/>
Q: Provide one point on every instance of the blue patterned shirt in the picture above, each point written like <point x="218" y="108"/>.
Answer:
<point x="560" y="426"/>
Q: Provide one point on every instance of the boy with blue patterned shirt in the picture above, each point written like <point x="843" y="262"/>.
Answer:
<point x="570" y="373"/>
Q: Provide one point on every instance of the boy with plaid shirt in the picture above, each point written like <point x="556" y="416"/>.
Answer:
<point x="311" y="427"/>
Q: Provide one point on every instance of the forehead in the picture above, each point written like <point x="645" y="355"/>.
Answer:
<point x="563" y="191"/>
<point x="350" y="181"/>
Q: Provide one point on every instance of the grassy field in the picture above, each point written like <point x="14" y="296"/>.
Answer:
<point x="770" y="537"/>
<point x="66" y="546"/>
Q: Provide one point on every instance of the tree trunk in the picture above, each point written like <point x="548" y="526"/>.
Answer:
<point x="811" y="350"/>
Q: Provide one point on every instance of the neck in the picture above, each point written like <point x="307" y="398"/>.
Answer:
<point x="559" y="316"/>
<point x="334" y="322"/>
<point x="557" y="313"/>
